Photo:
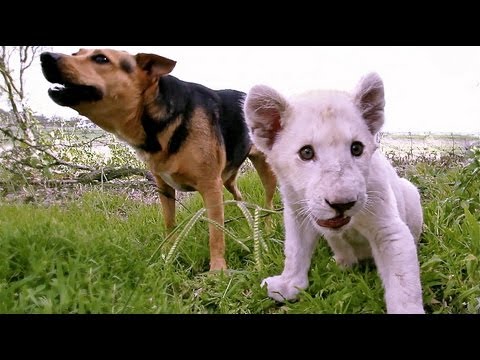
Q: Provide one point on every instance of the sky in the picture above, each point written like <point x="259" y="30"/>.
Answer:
<point x="427" y="89"/>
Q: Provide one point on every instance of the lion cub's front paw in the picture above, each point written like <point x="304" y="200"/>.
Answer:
<point x="281" y="288"/>
<point x="412" y="307"/>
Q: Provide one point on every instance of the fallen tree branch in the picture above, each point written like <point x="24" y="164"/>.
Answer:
<point x="101" y="175"/>
<point x="58" y="161"/>
<point x="108" y="174"/>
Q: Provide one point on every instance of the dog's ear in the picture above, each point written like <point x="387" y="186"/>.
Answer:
<point x="370" y="99"/>
<point x="263" y="109"/>
<point x="154" y="65"/>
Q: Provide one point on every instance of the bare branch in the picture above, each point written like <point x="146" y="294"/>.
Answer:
<point x="34" y="51"/>
<point x="10" y="88"/>
<point x="27" y="55"/>
<point x="69" y="164"/>
<point x="9" y="82"/>
<point x="84" y="143"/>
<point x="3" y="52"/>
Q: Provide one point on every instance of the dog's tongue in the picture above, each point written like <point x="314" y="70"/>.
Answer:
<point x="334" y="223"/>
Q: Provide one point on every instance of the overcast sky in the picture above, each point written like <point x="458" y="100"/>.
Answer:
<point x="427" y="89"/>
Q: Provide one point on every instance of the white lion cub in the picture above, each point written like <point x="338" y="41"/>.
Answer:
<point x="334" y="182"/>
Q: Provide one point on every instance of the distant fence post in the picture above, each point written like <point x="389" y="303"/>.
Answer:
<point x="411" y="145"/>
<point x="453" y="143"/>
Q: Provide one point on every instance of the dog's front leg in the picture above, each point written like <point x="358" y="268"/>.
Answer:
<point x="167" y="199"/>
<point x="212" y="194"/>
<point x="395" y="254"/>
<point x="300" y="241"/>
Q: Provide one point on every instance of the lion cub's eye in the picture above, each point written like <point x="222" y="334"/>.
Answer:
<point x="306" y="153"/>
<point x="357" y="148"/>
<point x="100" y="59"/>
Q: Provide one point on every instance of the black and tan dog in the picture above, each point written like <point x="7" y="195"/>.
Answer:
<point x="191" y="137"/>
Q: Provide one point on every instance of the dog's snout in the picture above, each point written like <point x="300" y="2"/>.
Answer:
<point x="50" y="67"/>
<point x="49" y="57"/>
<point x="341" y="207"/>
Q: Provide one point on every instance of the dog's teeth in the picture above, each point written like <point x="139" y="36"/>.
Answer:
<point x="57" y="87"/>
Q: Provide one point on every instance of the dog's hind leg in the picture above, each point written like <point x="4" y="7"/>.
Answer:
<point x="231" y="186"/>
<point x="265" y="173"/>
<point x="212" y="194"/>
<point x="167" y="199"/>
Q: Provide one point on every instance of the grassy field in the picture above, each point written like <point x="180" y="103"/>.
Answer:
<point x="103" y="252"/>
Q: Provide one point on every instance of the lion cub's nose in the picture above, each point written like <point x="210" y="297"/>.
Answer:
<point x="341" y="207"/>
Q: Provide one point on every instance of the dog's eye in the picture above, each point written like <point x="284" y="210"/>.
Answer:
<point x="306" y="153"/>
<point x="100" y="59"/>
<point x="356" y="148"/>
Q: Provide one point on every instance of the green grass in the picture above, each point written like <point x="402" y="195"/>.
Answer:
<point x="450" y="248"/>
<point x="100" y="254"/>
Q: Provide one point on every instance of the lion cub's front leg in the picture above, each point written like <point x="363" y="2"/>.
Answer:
<point x="300" y="242"/>
<point x="395" y="254"/>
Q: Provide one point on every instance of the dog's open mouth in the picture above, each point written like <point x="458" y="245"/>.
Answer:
<point x="334" y="223"/>
<point x="65" y="91"/>
<point x="69" y="94"/>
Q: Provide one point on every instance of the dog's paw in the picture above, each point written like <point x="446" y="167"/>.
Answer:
<point x="282" y="289"/>
<point x="218" y="264"/>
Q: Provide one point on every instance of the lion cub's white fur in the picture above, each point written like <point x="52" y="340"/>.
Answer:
<point x="337" y="182"/>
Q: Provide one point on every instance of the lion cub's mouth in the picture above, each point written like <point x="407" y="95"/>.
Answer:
<point x="334" y="223"/>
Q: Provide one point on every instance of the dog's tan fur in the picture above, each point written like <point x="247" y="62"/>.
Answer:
<point x="129" y="85"/>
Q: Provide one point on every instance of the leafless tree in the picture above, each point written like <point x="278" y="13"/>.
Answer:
<point x="18" y="58"/>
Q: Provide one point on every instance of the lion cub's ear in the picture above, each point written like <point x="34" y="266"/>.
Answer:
<point x="264" y="108"/>
<point x="370" y="99"/>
